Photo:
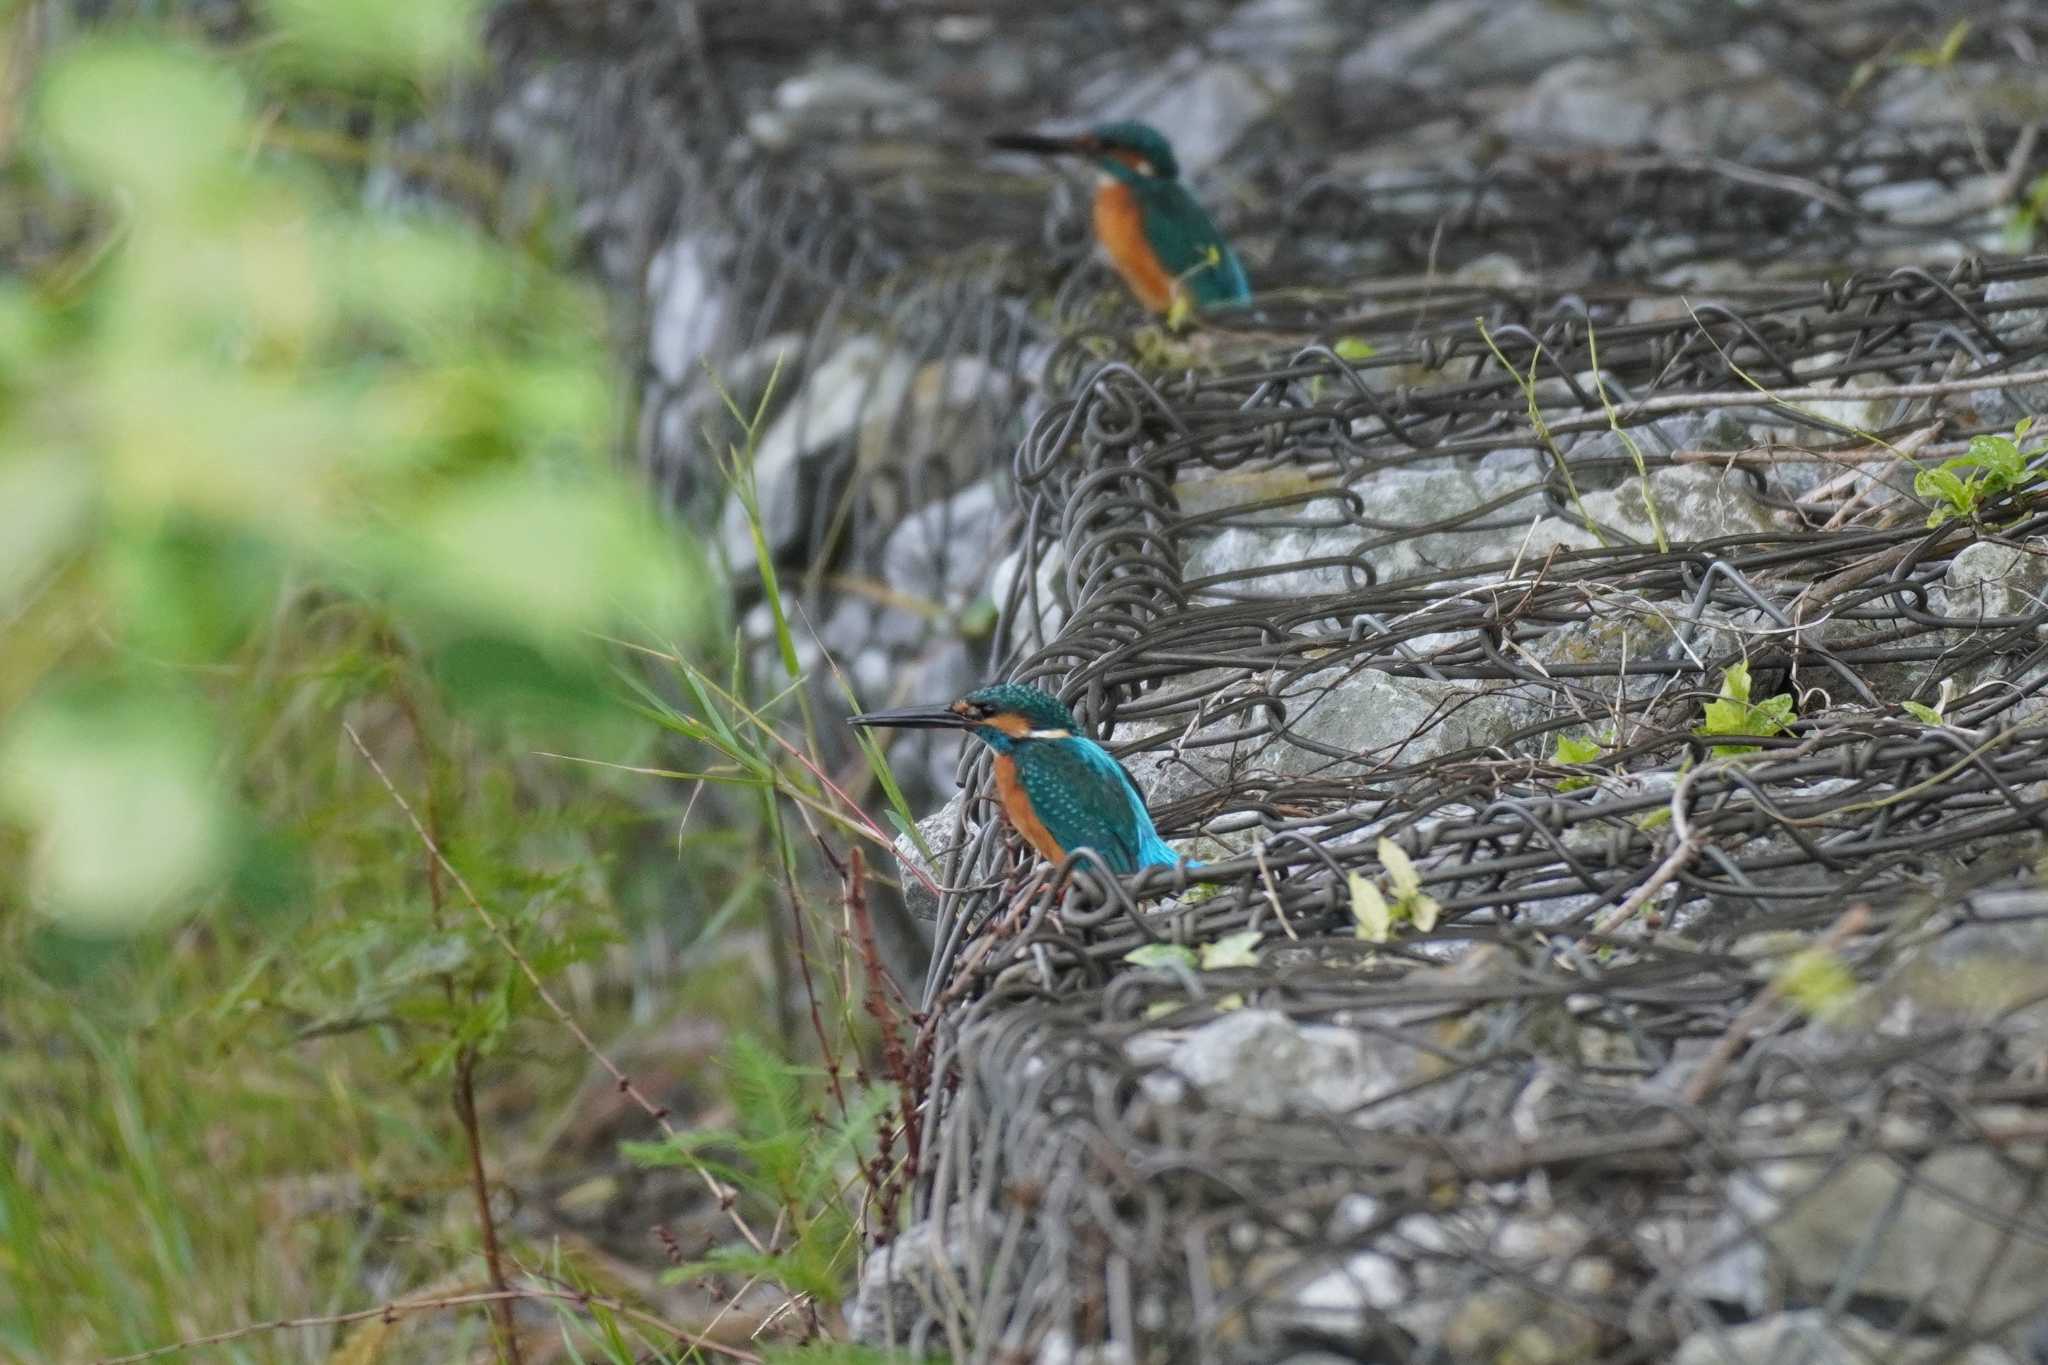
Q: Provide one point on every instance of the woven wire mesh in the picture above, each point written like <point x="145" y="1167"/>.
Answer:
<point x="1242" y="567"/>
<point x="1325" y="581"/>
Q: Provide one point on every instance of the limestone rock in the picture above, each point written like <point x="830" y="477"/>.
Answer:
<point x="1684" y="103"/>
<point x="901" y="1284"/>
<point x="1939" y="1241"/>
<point x="1814" y="1337"/>
<point x="1463" y="43"/>
<point x="1988" y="579"/>
<point x="937" y="830"/>
<point x="1262" y="1064"/>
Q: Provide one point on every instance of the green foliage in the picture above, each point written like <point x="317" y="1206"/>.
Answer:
<point x="1375" y="912"/>
<point x="1816" y="980"/>
<point x="1921" y="711"/>
<point x="1733" y="713"/>
<point x="1939" y="57"/>
<point x="2023" y="224"/>
<point x="1232" y="950"/>
<point x="1991" y="467"/>
<point x="255" y="394"/>
<point x="790" y="1163"/>
<point x="1162" y="955"/>
<point x="1576" y="751"/>
<point x="271" y="464"/>
<point x="841" y="1353"/>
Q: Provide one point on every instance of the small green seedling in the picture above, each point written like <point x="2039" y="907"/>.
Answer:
<point x="1936" y="714"/>
<point x="2023" y="224"/>
<point x="1941" y="57"/>
<point x="1376" y="915"/>
<point x="1232" y="950"/>
<point x="1733" y="713"/>
<point x="1576" y="751"/>
<point x="1991" y="467"/>
<point x="1816" y="981"/>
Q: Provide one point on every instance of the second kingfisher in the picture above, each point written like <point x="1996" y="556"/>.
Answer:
<point x="1059" y="789"/>
<point x="1156" y="235"/>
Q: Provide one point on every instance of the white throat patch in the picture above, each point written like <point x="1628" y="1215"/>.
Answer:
<point x="1048" y="734"/>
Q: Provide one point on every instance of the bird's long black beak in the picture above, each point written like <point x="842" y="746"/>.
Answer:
<point x="1044" y="146"/>
<point x="912" y="718"/>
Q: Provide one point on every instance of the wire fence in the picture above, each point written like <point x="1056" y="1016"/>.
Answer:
<point x="1477" y="592"/>
<point x="1556" y="518"/>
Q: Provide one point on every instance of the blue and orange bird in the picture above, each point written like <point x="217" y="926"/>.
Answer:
<point x="1156" y="235"/>
<point x="1059" y="789"/>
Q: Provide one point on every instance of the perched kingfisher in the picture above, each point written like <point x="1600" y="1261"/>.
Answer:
<point x="1059" y="789"/>
<point x="1156" y="235"/>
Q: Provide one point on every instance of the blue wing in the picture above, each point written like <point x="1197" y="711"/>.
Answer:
<point x="1190" y="247"/>
<point x="1086" y="800"/>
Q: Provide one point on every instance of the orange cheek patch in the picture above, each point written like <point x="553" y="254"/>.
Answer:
<point x="1015" y="726"/>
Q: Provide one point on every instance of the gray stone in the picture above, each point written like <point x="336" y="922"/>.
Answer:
<point x="937" y="830"/>
<point x="1655" y="442"/>
<point x="1937" y="1237"/>
<point x="1684" y="103"/>
<point x="889" y="408"/>
<point x="1991" y="974"/>
<point x="1692" y="502"/>
<point x="903" y="1283"/>
<point x="686" y="309"/>
<point x="1262" y="1064"/>
<point x="1912" y="96"/>
<point x="941" y="552"/>
<point x="1380" y="719"/>
<point x="1990" y="579"/>
<point x="1809" y="1337"/>
<point x="1469" y="42"/>
<point x="1042" y="604"/>
<point x="837" y="100"/>
<point x="1390" y="499"/>
<point x="1336" y="1294"/>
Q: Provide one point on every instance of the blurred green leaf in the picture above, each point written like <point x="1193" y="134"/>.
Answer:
<point x="1232" y="950"/>
<point x="358" y="38"/>
<point x="146" y="119"/>
<point x="44" y="500"/>
<point x="188" y="593"/>
<point x="542" y="560"/>
<point x="1372" y="916"/>
<point x="1161" y="955"/>
<point x="118" y="792"/>
<point x="1817" y="982"/>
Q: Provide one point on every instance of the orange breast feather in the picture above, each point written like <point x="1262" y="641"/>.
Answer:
<point x="1017" y="806"/>
<point x="1120" y="227"/>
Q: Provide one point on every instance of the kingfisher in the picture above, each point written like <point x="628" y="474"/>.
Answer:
<point x="1156" y="235"/>
<point x="1059" y="789"/>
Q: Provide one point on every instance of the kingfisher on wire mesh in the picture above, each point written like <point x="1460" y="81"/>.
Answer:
<point x="1059" y="789"/>
<point x="1157" y="236"/>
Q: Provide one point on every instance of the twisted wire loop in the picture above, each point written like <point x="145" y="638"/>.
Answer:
<point x="1704" y="1028"/>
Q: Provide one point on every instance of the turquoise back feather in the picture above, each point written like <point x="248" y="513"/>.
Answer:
<point x="1183" y="235"/>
